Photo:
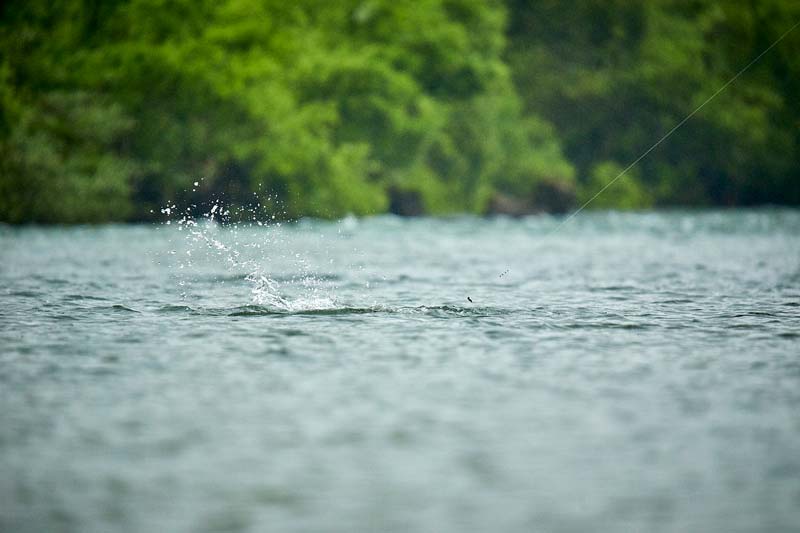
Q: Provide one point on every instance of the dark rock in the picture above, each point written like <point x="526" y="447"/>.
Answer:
<point x="504" y="204"/>
<point x="548" y="196"/>
<point x="552" y="196"/>
<point x="406" y="203"/>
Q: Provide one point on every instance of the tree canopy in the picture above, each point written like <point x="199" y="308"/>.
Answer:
<point x="110" y="109"/>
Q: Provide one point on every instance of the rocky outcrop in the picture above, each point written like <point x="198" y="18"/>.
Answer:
<point x="406" y="203"/>
<point x="548" y="196"/>
<point x="554" y="196"/>
<point x="504" y="204"/>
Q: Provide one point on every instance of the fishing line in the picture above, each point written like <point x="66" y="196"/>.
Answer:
<point x="666" y="136"/>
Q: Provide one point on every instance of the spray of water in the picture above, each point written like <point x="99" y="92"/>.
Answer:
<point x="245" y="248"/>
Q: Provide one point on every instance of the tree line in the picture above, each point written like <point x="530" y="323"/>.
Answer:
<point x="110" y="109"/>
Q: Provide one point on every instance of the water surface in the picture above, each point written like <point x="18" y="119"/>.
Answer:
<point x="631" y="372"/>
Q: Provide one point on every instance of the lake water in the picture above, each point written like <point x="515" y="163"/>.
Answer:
<point x="629" y="372"/>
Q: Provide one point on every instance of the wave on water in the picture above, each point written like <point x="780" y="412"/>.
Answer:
<point x="327" y="307"/>
<point x="311" y="308"/>
<point x="257" y="310"/>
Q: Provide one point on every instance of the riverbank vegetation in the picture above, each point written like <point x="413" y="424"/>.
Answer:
<point x="111" y="109"/>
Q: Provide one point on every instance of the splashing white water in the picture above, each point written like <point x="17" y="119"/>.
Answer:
<point x="254" y="249"/>
<point x="267" y="292"/>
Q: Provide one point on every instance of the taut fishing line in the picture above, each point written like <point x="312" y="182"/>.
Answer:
<point x="666" y="136"/>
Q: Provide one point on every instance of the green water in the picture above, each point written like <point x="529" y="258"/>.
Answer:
<point x="631" y="372"/>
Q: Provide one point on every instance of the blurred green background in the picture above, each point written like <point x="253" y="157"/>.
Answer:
<point x="110" y="109"/>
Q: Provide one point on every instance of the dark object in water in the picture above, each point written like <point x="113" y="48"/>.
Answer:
<point x="470" y="300"/>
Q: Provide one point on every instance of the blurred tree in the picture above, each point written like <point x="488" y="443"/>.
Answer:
<point x="111" y="109"/>
<point x="615" y="76"/>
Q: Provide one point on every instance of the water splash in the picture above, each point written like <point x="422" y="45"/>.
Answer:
<point x="247" y="250"/>
<point x="267" y="292"/>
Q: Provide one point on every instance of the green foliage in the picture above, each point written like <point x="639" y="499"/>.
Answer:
<point x="628" y="190"/>
<point x="615" y="76"/>
<point x="111" y="109"/>
<point x="57" y="162"/>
